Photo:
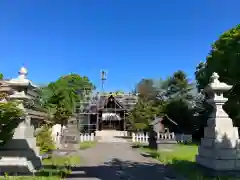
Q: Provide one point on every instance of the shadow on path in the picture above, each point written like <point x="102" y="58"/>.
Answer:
<point x="116" y="161"/>
<point x="118" y="169"/>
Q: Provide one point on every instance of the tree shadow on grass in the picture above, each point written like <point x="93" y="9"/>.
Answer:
<point x="194" y="171"/>
<point x="210" y="155"/>
<point x="184" y="169"/>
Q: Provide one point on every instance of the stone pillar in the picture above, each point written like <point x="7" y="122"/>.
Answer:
<point x="20" y="154"/>
<point x="220" y="146"/>
<point x="88" y="122"/>
<point x="124" y="121"/>
<point x="97" y="124"/>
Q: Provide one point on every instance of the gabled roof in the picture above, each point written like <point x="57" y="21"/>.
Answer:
<point x="98" y="101"/>
<point x="115" y="101"/>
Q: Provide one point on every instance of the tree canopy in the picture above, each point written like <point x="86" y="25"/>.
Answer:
<point x="61" y="97"/>
<point x="169" y="97"/>
<point x="224" y="59"/>
<point x="10" y="117"/>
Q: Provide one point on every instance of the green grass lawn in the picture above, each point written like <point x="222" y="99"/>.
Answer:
<point x="182" y="160"/>
<point x="87" y="144"/>
<point x="54" y="169"/>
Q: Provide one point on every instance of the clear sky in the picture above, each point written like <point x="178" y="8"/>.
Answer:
<point x="131" y="39"/>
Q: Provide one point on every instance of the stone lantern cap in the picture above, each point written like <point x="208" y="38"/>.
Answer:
<point x="217" y="85"/>
<point x="23" y="71"/>
<point x="22" y="80"/>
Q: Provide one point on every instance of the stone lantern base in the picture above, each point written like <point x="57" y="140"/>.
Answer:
<point x="218" y="151"/>
<point x="220" y="147"/>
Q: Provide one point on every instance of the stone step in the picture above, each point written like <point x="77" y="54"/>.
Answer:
<point x="111" y="133"/>
<point x="17" y="153"/>
<point x="112" y="139"/>
<point x="17" y="165"/>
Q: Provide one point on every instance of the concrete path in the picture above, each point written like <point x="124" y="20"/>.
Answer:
<point x="116" y="161"/>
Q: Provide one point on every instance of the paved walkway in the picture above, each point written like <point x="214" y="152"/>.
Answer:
<point x="116" y="161"/>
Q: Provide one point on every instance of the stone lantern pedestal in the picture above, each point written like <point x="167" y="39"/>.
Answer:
<point x="220" y="147"/>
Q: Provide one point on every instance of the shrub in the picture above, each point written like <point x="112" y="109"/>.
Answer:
<point x="44" y="140"/>
<point x="10" y="118"/>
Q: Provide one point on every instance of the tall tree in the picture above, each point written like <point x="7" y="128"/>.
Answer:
<point x="179" y="100"/>
<point x="62" y="96"/>
<point x="170" y="97"/>
<point x="143" y="113"/>
<point x="202" y="76"/>
<point x="224" y="59"/>
<point x="179" y="86"/>
<point x="146" y="89"/>
<point x="149" y="104"/>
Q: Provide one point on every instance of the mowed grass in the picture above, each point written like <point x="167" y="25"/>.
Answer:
<point x="87" y="144"/>
<point x="182" y="160"/>
<point x="62" y="161"/>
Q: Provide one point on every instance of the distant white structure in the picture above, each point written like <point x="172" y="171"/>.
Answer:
<point x="111" y="117"/>
<point x="57" y="130"/>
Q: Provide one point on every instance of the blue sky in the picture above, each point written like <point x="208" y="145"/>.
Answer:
<point x="131" y="39"/>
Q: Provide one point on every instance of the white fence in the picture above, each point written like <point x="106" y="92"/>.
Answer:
<point x="87" y="137"/>
<point x="143" y="138"/>
<point x="82" y="138"/>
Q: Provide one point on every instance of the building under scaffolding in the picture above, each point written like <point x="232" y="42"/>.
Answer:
<point x="104" y="112"/>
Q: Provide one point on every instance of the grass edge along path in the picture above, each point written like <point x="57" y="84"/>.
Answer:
<point x="182" y="160"/>
<point x="87" y="144"/>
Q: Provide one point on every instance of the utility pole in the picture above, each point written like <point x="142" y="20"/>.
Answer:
<point x="103" y="78"/>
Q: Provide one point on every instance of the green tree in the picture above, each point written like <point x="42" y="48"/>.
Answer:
<point x="10" y="117"/>
<point x="44" y="140"/>
<point x="1" y="76"/>
<point x="61" y="97"/>
<point x="179" y="100"/>
<point x="151" y="103"/>
<point x="144" y="113"/>
<point x="119" y="92"/>
<point x="224" y="59"/>
<point x="202" y="76"/>
<point x="171" y="97"/>
<point x="146" y="90"/>
<point x="178" y="86"/>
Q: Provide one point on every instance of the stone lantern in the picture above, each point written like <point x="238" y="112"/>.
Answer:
<point x="219" y="149"/>
<point x="21" y="154"/>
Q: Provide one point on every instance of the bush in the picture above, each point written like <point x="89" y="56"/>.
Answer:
<point x="44" y="140"/>
<point x="10" y="118"/>
<point x="87" y="144"/>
